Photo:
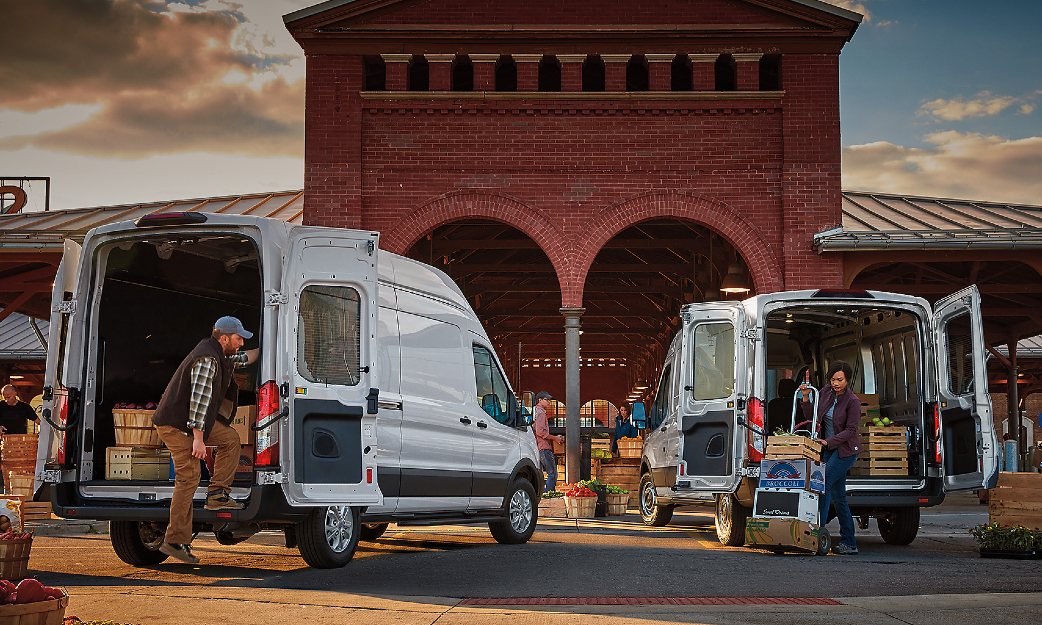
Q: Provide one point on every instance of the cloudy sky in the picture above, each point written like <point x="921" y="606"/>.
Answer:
<point x="138" y="100"/>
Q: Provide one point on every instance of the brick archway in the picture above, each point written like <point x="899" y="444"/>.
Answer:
<point x="470" y="204"/>
<point x="762" y="261"/>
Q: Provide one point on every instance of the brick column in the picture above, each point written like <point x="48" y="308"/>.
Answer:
<point x="440" y="66"/>
<point x="527" y="71"/>
<point x="704" y="67"/>
<point x="660" y="71"/>
<point x="484" y="71"/>
<point x="748" y="66"/>
<point x="396" y="67"/>
<point x="615" y="71"/>
<point x="571" y="71"/>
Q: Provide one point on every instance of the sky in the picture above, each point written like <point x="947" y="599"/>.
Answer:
<point x="122" y="101"/>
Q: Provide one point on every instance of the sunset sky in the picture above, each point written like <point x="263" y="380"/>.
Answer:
<point x="141" y="100"/>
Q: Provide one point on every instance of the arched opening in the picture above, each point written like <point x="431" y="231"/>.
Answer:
<point x="375" y="73"/>
<point x="419" y="77"/>
<point x="726" y="72"/>
<point x="637" y="78"/>
<point x="549" y="73"/>
<point x="593" y="73"/>
<point x="598" y="413"/>
<point x="770" y="72"/>
<point x="506" y="73"/>
<point x="462" y="73"/>
<point x="633" y="294"/>
<point x="681" y="78"/>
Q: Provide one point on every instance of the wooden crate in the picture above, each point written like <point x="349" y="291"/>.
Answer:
<point x="793" y="448"/>
<point x="19" y="484"/>
<point x="36" y="511"/>
<point x="600" y="443"/>
<point x="18" y="453"/>
<point x="884" y="452"/>
<point x="1017" y="501"/>
<point x="137" y="463"/>
<point x="624" y="473"/>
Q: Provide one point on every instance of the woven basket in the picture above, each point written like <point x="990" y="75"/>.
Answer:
<point x="19" y="484"/>
<point x="50" y="612"/>
<point x="14" y="557"/>
<point x="630" y="447"/>
<point x="617" y="504"/>
<point x="580" y="507"/>
<point x="18" y="453"/>
<point x="134" y="428"/>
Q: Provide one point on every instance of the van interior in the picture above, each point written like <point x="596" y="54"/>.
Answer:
<point x="158" y="298"/>
<point x="884" y="348"/>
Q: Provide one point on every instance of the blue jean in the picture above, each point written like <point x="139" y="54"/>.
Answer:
<point x="548" y="463"/>
<point x="836" y="470"/>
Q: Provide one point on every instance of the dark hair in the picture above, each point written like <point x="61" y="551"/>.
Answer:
<point x="838" y="366"/>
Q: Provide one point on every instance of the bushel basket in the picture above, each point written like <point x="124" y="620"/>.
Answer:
<point x="14" y="558"/>
<point x="134" y="428"/>
<point x="49" y="612"/>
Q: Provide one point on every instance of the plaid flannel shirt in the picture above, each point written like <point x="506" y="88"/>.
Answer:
<point x="202" y="376"/>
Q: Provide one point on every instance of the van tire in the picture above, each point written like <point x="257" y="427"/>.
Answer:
<point x="730" y="520"/>
<point x="900" y="527"/>
<point x="651" y="513"/>
<point x="372" y="531"/>
<point x="328" y="537"/>
<point x="522" y="512"/>
<point x="130" y="544"/>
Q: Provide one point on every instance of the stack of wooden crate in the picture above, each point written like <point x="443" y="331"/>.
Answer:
<point x="624" y="473"/>
<point x="1017" y="500"/>
<point x="884" y="451"/>
<point x="138" y="453"/>
<point x="18" y="462"/>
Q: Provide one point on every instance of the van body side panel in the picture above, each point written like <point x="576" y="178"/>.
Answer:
<point x="389" y="419"/>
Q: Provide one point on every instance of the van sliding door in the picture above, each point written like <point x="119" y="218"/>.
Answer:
<point x="327" y="348"/>
<point x="968" y="441"/>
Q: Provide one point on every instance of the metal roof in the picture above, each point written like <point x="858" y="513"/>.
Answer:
<point x="882" y="221"/>
<point x="1027" y="348"/>
<point x="47" y="229"/>
<point x="18" y="339"/>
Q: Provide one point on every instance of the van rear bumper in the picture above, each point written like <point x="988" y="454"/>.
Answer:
<point x="266" y="504"/>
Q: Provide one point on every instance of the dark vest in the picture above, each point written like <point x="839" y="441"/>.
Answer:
<point x="173" y="407"/>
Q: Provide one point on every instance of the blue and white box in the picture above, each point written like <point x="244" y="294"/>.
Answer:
<point x="799" y="474"/>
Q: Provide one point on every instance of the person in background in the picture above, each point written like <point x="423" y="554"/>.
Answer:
<point x="15" y="414"/>
<point x="624" y="428"/>
<point x="545" y="440"/>
<point x="839" y="413"/>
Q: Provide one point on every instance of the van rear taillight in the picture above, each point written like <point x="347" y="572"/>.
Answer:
<point x="938" y="455"/>
<point x="268" y="404"/>
<point x="754" y="441"/>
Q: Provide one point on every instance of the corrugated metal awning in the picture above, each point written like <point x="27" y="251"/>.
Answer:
<point x="19" y="340"/>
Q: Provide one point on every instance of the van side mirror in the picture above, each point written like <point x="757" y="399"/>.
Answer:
<point x="638" y="416"/>
<point x="522" y="416"/>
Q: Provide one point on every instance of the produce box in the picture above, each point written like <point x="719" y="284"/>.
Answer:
<point x="789" y="447"/>
<point x="793" y="474"/>
<point x="137" y="463"/>
<point x="791" y="504"/>
<point x="245" y="469"/>
<point x="884" y="451"/>
<point x="1017" y="500"/>
<point x="245" y="417"/>
<point x="781" y="533"/>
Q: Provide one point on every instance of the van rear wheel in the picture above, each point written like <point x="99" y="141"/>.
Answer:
<point x="521" y="514"/>
<point x="372" y="531"/>
<point x="900" y="526"/>
<point x="137" y="542"/>
<point x="328" y="537"/>
<point x="650" y="512"/>
<point x="731" y="516"/>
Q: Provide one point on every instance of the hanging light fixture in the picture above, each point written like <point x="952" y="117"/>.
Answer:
<point x="736" y="280"/>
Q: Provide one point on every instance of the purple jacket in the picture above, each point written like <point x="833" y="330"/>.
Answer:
<point x="845" y="420"/>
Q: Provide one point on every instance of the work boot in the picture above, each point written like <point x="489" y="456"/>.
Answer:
<point x="844" y="550"/>
<point x="219" y="500"/>
<point x="181" y="552"/>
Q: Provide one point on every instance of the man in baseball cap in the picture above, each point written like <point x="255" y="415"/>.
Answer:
<point x="545" y="441"/>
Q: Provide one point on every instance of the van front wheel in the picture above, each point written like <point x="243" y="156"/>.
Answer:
<point x="328" y="537"/>
<point x="730" y="520"/>
<point x="521" y="511"/>
<point x="137" y="542"/>
<point x="650" y="512"/>
<point x="900" y="526"/>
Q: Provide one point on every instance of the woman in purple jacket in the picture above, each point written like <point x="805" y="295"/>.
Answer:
<point x="839" y="413"/>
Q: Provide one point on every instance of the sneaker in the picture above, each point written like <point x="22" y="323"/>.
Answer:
<point x="221" y="501"/>
<point x="181" y="552"/>
<point x="844" y="550"/>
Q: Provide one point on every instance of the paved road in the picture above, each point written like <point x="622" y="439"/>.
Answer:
<point x="564" y="559"/>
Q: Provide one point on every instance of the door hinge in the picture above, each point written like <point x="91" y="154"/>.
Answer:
<point x="51" y="476"/>
<point x="66" y="307"/>
<point x="749" y="472"/>
<point x="274" y="298"/>
<point x="749" y="335"/>
<point x="265" y="478"/>
<point x="370" y="246"/>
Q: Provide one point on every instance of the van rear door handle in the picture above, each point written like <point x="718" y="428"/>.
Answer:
<point x="464" y="420"/>
<point x="482" y="424"/>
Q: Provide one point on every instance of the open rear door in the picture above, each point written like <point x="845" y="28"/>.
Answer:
<point x="329" y="353"/>
<point x="52" y="441"/>
<point x="709" y="439"/>
<point x="968" y="441"/>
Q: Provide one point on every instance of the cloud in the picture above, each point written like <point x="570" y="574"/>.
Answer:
<point x="855" y="6"/>
<point x="954" y="164"/>
<point x="985" y="104"/>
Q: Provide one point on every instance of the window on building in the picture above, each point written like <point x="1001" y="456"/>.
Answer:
<point x="549" y="73"/>
<point x="598" y="412"/>
<point x="462" y="73"/>
<point x="726" y="73"/>
<point x="375" y="73"/>
<point x="637" y="78"/>
<point x="419" y="78"/>
<point x="681" y="78"/>
<point x="593" y="73"/>
<point x="770" y="72"/>
<point x="506" y="73"/>
<point x="557" y="414"/>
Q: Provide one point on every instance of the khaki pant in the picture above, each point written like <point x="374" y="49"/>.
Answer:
<point x="187" y="473"/>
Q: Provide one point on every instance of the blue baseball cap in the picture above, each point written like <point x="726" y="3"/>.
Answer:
<point x="231" y="325"/>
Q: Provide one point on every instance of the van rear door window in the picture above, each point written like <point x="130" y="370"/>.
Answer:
<point x="960" y="354"/>
<point x="328" y="341"/>
<point x="714" y="361"/>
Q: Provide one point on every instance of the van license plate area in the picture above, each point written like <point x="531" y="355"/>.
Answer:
<point x="146" y="497"/>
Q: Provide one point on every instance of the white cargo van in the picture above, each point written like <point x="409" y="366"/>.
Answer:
<point x="379" y="398"/>
<point x="924" y="366"/>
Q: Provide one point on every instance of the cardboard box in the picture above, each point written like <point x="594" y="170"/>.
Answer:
<point x="793" y="474"/>
<point x="781" y="533"/>
<point x="244" y="471"/>
<point x="786" y="504"/>
<point x="245" y="417"/>
<point x="12" y="509"/>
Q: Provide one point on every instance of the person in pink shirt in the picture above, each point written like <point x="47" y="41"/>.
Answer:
<point x="545" y="440"/>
